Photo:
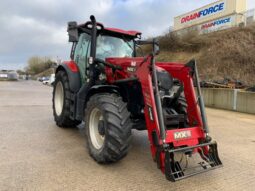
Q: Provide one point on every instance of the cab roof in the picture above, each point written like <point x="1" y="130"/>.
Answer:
<point x="124" y="32"/>
<point x="130" y="33"/>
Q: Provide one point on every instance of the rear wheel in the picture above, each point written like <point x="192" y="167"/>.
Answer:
<point x="62" y="101"/>
<point x="108" y="128"/>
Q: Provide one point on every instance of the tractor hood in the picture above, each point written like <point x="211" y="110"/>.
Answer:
<point x="130" y="67"/>
<point x="126" y="62"/>
<point x="131" y="64"/>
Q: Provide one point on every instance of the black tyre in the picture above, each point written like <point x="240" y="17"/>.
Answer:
<point x="182" y="105"/>
<point x="108" y="128"/>
<point x="181" y="108"/>
<point x="62" y="102"/>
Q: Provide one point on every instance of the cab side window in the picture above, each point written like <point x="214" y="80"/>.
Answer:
<point x="81" y="55"/>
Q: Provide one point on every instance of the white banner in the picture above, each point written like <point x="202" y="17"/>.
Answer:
<point x="212" y="9"/>
<point x="216" y="25"/>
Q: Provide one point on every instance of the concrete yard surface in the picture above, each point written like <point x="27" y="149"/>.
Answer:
<point x="37" y="155"/>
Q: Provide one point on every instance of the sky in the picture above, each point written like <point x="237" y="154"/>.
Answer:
<point x="38" y="27"/>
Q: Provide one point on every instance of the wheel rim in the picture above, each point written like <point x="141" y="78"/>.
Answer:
<point x="59" y="98"/>
<point x="96" y="138"/>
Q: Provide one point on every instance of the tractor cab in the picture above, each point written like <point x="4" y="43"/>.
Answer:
<point x="109" y="43"/>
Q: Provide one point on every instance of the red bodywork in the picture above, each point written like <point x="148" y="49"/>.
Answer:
<point x="136" y="67"/>
<point x="120" y="31"/>
<point x="72" y="66"/>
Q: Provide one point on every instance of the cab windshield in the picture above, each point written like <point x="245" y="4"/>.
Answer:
<point x="109" y="46"/>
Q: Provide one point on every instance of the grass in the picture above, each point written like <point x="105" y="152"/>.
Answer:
<point x="228" y="53"/>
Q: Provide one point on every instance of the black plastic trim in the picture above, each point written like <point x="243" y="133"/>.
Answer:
<point x="85" y="93"/>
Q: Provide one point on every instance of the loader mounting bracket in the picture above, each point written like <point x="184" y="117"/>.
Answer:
<point x="174" y="171"/>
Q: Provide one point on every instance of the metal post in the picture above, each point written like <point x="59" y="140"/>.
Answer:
<point x="157" y="97"/>
<point x="201" y="100"/>
<point x="235" y="99"/>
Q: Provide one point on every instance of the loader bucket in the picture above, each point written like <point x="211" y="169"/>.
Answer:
<point x="177" y="169"/>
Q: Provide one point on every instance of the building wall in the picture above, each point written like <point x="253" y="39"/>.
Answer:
<point x="240" y="6"/>
<point x="221" y="8"/>
<point x="250" y="17"/>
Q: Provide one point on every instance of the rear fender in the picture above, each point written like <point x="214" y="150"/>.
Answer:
<point x="73" y="74"/>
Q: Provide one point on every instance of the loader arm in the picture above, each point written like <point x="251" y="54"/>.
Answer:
<point x="187" y="141"/>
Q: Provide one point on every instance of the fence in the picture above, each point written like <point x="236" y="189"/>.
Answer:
<point x="229" y="99"/>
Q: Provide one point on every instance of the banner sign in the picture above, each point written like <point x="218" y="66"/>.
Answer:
<point x="213" y="9"/>
<point x="216" y="25"/>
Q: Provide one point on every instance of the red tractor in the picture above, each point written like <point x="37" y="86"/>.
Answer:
<point x="113" y="91"/>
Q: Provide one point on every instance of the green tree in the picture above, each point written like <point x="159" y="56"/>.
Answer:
<point x="21" y="72"/>
<point x="38" y="64"/>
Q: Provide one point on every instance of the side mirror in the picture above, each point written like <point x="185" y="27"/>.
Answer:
<point x="93" y="19"/>
<point x="72" y="31"/>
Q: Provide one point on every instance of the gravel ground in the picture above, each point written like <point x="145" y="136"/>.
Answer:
<point x="37" y="155"/>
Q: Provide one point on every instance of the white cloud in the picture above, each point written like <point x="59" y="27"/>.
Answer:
<point x="36" y="27"/>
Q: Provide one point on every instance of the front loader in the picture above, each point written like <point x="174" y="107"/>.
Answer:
<point x="113" y="91"/>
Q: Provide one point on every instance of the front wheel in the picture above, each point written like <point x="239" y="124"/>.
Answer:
<point x="108" y="128"/>
<point x="62" y="102"/>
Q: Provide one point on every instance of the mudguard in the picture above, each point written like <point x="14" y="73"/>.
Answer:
<point x="73" y="74"/>
<point x="86" y="92"/>
<point x="102" y="89"/>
